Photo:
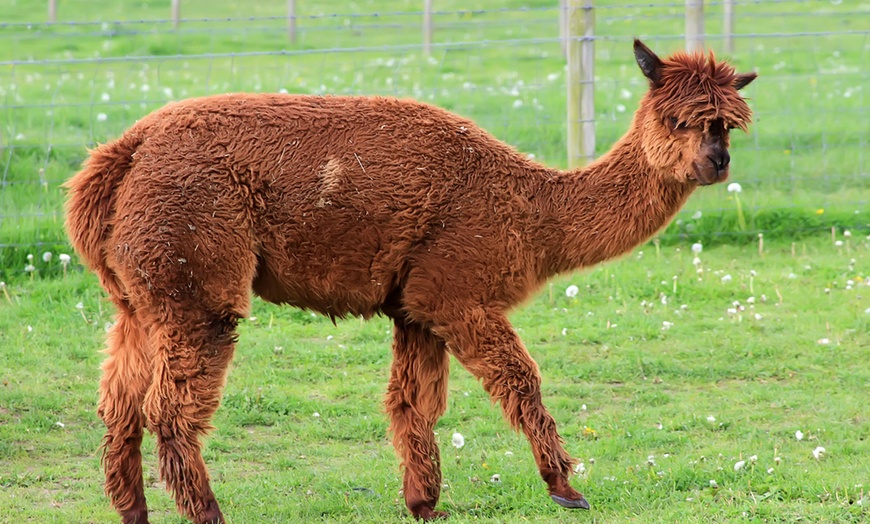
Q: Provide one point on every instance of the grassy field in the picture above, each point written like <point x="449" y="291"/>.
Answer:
<point x="662" y="380"/>
<point x="64" y="87"/>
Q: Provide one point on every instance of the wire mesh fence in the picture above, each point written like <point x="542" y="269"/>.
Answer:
<point x="83" y="79"/>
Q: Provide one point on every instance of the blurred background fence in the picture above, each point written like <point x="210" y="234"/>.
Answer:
<point x="78" y="72"/>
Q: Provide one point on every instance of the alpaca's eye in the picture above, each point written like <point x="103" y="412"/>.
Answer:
<point x="676" y="124"/>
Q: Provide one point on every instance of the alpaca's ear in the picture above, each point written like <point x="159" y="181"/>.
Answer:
<point x="649" y="63"/>
<point x="744" y="79"/>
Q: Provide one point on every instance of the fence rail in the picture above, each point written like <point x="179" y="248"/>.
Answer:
<point x="562" y="92"/>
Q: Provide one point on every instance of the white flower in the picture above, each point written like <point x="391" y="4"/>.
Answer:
<point x="651" y="460"/>
<point x="769" y="471"/>
<point x="583" y="407"/>
<point x="30" y="268"/>
<point x="819" y="452"/>
<point x="734" y="187"/>
<point x="732" y="311"/>
<point x="713" y="484"/>
<point x="838" y="243"/>
<point x="777" y="459"/>
<point x="726" y="279"/>
<point x="64" y="258"/>
<point x="105" y="97"/>
<point x="46" y="257"/>
<point x="753" y="458"/>
<point x="580" y="468"/>
<point x="458" y="441"/>
<point x="101" y="117"/>
<point x="495" y="478"/>
<point x="697" y="247"/>
<point x="847" y="233"/>
<point x="30" y="257"/>
<point x="62" y="425"/>
<point x="799" y="435"/>
<point x="824" y="341"/>
<point x="572" y="291"/>
<point x="696" y="261"/>
<point x="711" y="418"/>
<point x="758" y="316"/>
<point x="564" y="332"/>
<point x="315" y="415"/>
<point x="739" y="465"/>
<point x="667" y="325"/>
<point x="697" y="215"/>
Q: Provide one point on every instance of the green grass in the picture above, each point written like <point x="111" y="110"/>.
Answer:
<point x="648" y="391"/>
<point x="804" y="153"/>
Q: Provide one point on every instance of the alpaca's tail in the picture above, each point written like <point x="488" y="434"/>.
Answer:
<point x="90" y="206"/>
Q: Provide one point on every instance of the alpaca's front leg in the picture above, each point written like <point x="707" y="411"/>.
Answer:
<point x="416" y="397"/>
<point x="487" y="345"/>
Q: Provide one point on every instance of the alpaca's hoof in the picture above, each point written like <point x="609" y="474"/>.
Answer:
<point x="579" y="503"/>
<point x="431" y="514"/>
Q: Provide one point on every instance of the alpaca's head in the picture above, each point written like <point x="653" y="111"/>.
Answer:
<point x="685" y="117"/>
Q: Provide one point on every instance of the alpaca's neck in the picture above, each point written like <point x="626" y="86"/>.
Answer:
<point x="606" y="209"/>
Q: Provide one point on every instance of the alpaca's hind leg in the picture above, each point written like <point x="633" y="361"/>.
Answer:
<point x="192" y="351"/>
<point x="486" y="344"/>
<point x="416" y="397"/>
<point x="126" y="376"/>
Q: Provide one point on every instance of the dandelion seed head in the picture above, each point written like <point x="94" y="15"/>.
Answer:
<point x="64" y="258"/>
<point x="46" y="257"/>
<point x="726" y="278"/>
<point x="697" y="215"/>
<point x="711" y="418"/>
<point x="713" y="484"/>
<point x="769" y="471"/>
<point x="697" y="247"/>
<point x="495" y="478"/>
<point x="102" y="117"/>
<point x="571" y="291"/>
<point x="739" y="465"/>
<point x="799" y="435"/>
<point x="838" y="243"/>
<point x="30" y="268"/>
<point x="734" y="187"/>
<point x="458" y="441"/>
<point x="819" y="452"/>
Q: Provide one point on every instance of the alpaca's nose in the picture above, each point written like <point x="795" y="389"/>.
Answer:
<point x="720" y="160"/>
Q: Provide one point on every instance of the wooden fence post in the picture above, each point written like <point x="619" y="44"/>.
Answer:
<point x="291" y="20"/>
<point x="176" y="13"/>
<point x="694" y="25"/>
<point x="728" y="25"/>
<point x="580" y="81"/>
<point x="52" y="11"/>
<point x="427" y="27"/>
<point x="563" y="27"/>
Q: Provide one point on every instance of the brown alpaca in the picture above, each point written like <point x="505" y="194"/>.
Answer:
<point x="359" y="206"/>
